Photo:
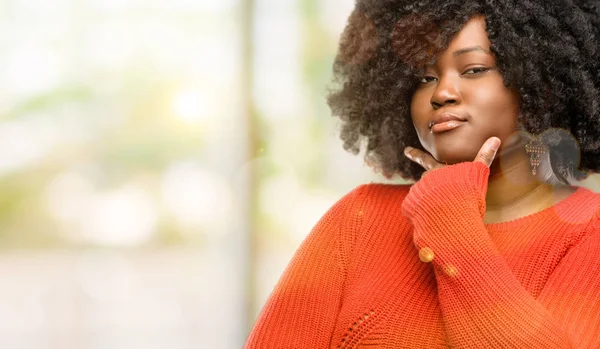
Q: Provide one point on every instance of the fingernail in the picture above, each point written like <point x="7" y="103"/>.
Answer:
<point x="495" y="144"/>
<point x="407" y="150"/>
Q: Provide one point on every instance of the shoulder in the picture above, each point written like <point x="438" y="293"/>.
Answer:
<point x="373" y="217"/>
<point x="374" y="204"/>
<point x="594" y="204"/>
<point x="378" y="194"/>
<point x="585" y="242"/>
<point x="370" y="196"/>
<point x="582" y="210"/>
<point x="583" y="205"/>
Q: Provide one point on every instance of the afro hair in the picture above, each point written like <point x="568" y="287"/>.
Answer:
<point x="548" y="50"/>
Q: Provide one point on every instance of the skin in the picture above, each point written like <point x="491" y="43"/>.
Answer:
<point x="466" y="81"/>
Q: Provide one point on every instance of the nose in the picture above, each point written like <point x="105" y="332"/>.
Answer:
<point x="446" y="92"/>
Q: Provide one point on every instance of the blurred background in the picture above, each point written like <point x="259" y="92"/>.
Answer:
<point x="160" y="162"/>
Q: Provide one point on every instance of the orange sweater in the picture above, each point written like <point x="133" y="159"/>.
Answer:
<point x="398" y="266"/>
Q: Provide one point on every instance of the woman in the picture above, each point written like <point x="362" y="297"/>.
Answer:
<point x="493" y="246"/>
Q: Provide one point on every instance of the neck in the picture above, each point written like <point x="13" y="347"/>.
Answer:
<point x="512" y="188"/>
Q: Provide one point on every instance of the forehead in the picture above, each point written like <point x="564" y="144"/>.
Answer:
<point x="472" y="34"/>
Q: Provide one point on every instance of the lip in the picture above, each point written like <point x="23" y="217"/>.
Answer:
<point x="445" y="126"/>
<point x="444" y="117"/>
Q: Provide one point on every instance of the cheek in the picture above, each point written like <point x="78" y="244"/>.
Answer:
<point x="418" y="108"/>
<point x="496" y="108"/>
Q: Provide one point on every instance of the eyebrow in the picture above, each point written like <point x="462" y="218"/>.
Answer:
<point x="469" y="49"/>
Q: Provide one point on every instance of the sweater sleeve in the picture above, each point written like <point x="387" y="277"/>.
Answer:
<point x="483" y="304"/>
<point x="302" y="310"/>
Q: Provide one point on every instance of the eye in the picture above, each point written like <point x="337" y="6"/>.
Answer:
<point x="476" y="71"/>
<point x="426" y="79"/>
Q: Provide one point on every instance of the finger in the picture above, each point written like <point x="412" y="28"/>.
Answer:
<point x="415" y="155"/>
<point x="422" y="158"/>
<point x="487" y="153"/>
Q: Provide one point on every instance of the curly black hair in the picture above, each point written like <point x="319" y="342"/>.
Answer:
<point x="548" y="50"/>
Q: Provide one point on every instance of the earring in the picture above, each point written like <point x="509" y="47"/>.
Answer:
<point x="535" y="149"/>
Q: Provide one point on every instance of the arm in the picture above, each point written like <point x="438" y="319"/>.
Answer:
<point x="483" y="304"/>
<point x="302" y="310"/>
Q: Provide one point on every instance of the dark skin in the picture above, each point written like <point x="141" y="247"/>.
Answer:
<point x="465" y="80"/>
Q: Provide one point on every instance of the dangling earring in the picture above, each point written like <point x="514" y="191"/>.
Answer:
<point x="535" y="149"/>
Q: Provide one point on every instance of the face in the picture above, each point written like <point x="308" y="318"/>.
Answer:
<point x="464" y="82"/>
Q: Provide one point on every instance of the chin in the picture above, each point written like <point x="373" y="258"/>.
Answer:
<point x="454" y="155"/>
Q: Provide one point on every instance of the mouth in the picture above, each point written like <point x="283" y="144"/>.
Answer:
<point x="446" y="126"/>
<point x="445" y="122"/>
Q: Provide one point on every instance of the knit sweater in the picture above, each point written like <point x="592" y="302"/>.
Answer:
<point x="415" y="266"/>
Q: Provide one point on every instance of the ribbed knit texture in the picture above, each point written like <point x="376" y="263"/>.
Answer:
<point x="357" y="280"/>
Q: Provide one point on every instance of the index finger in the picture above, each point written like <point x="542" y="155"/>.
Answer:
<point x="487" y="153"/>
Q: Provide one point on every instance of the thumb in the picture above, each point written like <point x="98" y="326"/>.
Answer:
<point x="488" y="151"/>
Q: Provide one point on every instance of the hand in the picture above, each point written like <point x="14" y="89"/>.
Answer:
<point x="486" y="155"/>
